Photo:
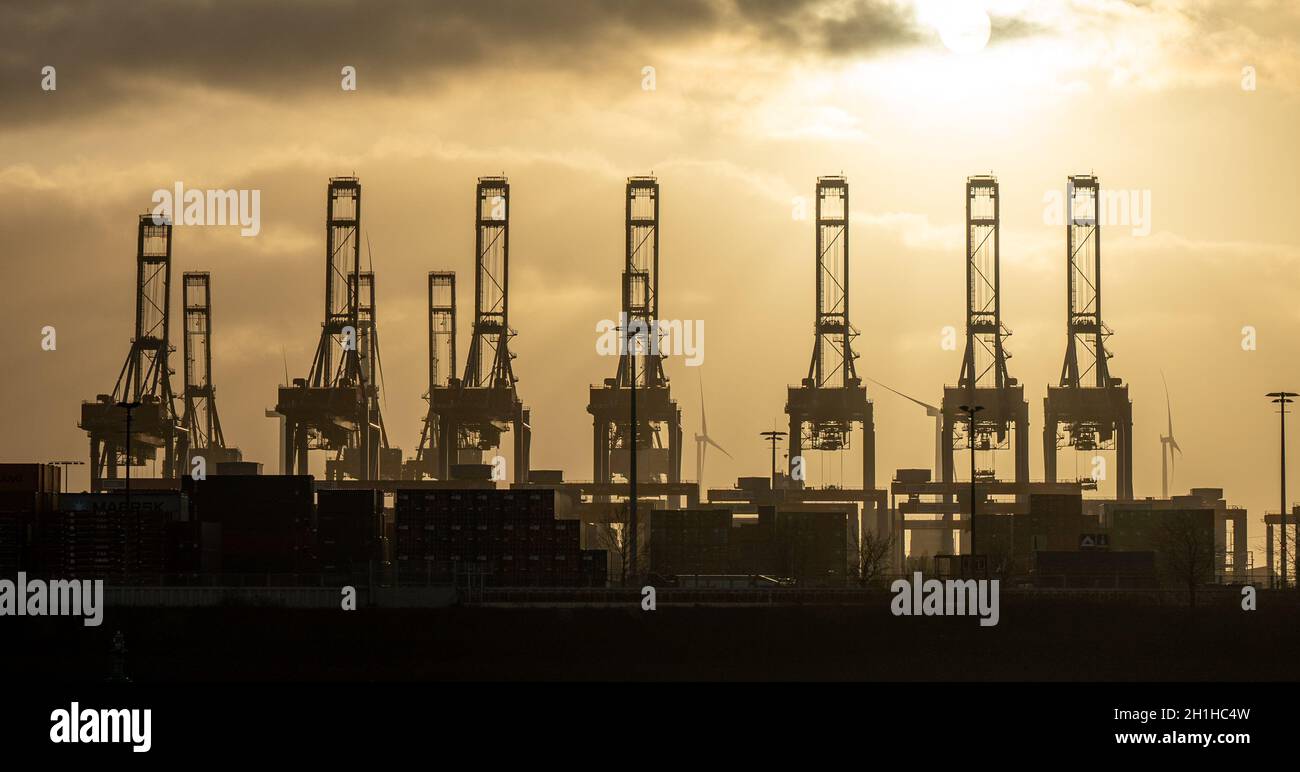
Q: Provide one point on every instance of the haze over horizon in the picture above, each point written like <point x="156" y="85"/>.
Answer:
<point x="752" y="100"/>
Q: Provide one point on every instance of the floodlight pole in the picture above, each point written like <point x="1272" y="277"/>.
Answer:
<point x="1282" y="399"/>
<point x="772" y="437"/>
<point x="970" y="411"/>
<point x="128" y="406"/>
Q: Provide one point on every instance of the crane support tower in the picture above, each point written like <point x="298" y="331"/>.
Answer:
<point x="824" y="408"/>
<point x="640" y="362"/>
<point x="200" y="418"/>
<point x="142" y="398"/>
<point x="472" y="412"/>
<point x="984" y="381"/>
<point x="336" y="408"/>
<point x="1090" y="409"/>
<point x="442" y="364"/>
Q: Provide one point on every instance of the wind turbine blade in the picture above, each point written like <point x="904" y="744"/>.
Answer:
<point x="1169" y="411"/>
<point x="938" y="444"/>
<point x="904" y="396"/>
<point x="704" y="421"/>
<point x="709" y="441"/>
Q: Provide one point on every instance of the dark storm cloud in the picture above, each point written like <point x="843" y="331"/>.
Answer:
<point x="125" y="54"/>
<point x="104" y="49"/>
<point x="820" y="28"/>
<point x="865" y="26"/>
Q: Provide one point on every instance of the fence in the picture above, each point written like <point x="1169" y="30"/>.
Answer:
<point x="200" y="597"/>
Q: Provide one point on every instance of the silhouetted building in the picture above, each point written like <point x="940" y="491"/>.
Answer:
<point x="1054" y="523"/>
<point x="1057" y="544"/>
<point x="1181" y="539"/>
<point x="1231" y="546"/>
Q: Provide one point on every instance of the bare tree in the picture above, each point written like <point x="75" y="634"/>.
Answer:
<point x="874" y="559"/>
<point x="612" y="536"/>
<point x="1186" y="550"/>
<point x="1288" y="540"/>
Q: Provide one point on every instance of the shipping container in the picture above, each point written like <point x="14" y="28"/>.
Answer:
<point x="266" y="521"/>
<point x="24" y="478"/>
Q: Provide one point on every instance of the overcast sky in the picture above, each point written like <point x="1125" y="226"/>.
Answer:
<point x="752" y="100"/>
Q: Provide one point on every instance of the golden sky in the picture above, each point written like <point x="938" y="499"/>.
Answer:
<point x="753" y="99"/>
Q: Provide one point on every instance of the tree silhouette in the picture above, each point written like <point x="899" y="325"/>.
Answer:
<point x="1186" y="549"/>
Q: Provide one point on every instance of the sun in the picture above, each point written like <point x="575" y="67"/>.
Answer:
<point x="963" y="25"/>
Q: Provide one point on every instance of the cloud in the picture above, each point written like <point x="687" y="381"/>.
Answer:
<point x="136" y="55"/>
<point x="104" y="50"/>
<point x="830" y="29"/>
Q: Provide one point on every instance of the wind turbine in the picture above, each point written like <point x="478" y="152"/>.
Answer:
<point x="703" y="441"/>
<point x="1167" y="442"/>
<point x="934" y="413"/>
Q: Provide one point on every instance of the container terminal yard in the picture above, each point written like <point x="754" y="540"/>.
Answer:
<point x="440" y="533"/>
<point x="732" y="376"/>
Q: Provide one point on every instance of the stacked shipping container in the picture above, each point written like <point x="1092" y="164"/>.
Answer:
<point x="689" y="541"/>
<point x="511" y="538"/>
<point x="28" y="492"/>
<point x="349" y="525"/>
<point x="122" y="541"/>
<point x="812" y="547"/>
<point x="266" y="522"/>
<point x="808" y="547"/>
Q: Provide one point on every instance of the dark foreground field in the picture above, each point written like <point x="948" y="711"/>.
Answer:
<point x="1036" y="640"/>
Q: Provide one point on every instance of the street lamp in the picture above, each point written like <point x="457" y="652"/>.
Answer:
<point x="970" y="411"/>
<point x="634" y="329"/>
<point x="772" y="437"/>
<point x="64" y="477"/>
<point x="1282" y="399"/>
